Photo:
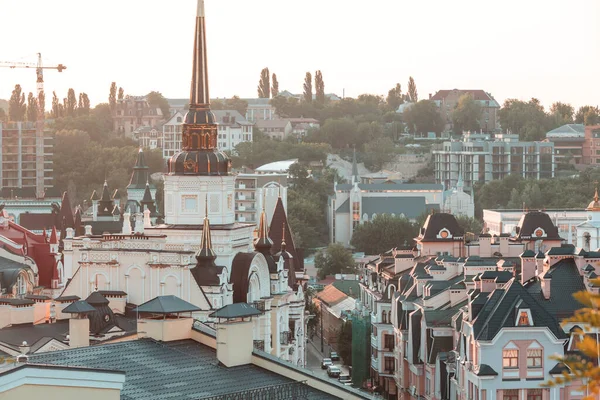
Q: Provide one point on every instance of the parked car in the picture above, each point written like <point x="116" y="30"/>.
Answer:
<point x="333" y="371"/>
<point x="345" y="379"/>
<point x="334" y="356"/>
<point x="326" y="362"/>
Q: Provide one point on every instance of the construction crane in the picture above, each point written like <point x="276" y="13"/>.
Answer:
<point x="39" y="69"/>
<point x="39" y="129"/>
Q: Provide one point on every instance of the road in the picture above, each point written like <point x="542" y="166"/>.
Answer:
<point x="314" y="357"/>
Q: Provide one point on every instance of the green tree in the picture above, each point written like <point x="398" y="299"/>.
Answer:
<point x="16" y="105"/>
<point x="285" y="107"/>
<point x="383" y="233"/>
<point x="3" y="115"/>
<point x="378" y="152"/>
<point x="582" y="111"/>
<point x="274" y="86"/>
<point x="156" y="99"/>
<point x="235" y="103"/>
<point x="55" y="106"/>
<point x="264" y="86"/>
<point x="563" y="111"/>
<point x="516" y="201"/>
<point x="121" y="93"/>
<point x="468" y="224"/>
<point x="466" y="115"/>
<point x="345" y="342"/>
<point x="71" y="106"/>
<point x="319" y="88"/>
<point x="580" y="367"/>
<point x="339" y="133"/>
<point x="527" y="119"/>
<point x="335" y="259"/>
<point x="32" y="108"/>
<point x="412" y="94"/>
<point x="308" y="88"/>
<point x="394" y="97"/>
<point x="85" y="107"/>
<point x="423" y="118"/>
<point x="592" y="117"/>
<point x="112" y="96"/>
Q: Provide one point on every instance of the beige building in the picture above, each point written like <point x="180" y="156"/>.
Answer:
<point x="446" y="101"/>
<point x="133" y="112"/>
<point x="275" y="129"/>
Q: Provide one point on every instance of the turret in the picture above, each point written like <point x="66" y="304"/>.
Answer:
<point x="206" y="272"/>
<point x="53" y="241"/>
<point x="263" y="243"/>
<point x="105" y="204"/>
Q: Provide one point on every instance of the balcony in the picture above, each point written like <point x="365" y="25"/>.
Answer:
<point x="285" y="338"/>
<point x="259" y="345"/>
<point x="374" y="341"/>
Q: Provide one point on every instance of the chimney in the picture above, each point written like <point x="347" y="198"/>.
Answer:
<point x="234" y="344"/>
<point x="126" y="224"/>
<point x="79" y="331"/>
<point x="528" y="266"/>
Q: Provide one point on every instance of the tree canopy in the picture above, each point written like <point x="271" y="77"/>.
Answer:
<point x="466" y="115"/>
<point x="423" y="118"/>
<point x="264" y="85"/>
<point x="394" y="97"/>
<point x="383" y="233"/>
<point x="156" y="99"/>
<point x="527" y="119"/>
<point x="335" y="259"/>
<point x="17" y="107"/>
<point x="412" y="93"/>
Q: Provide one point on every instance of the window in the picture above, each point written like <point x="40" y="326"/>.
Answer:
<point x="384" y="317"/>
<point x="511" y="394"/>
<point x="534" y="358"/>
<point x="389" y="364"/>
<point x="374" y="352"/>
<point x="21" y="284"/>
<point x="534" y="394"/>
<point x="510" y="358"/>
<point x="388" y="341"/>
<point x="523" y="318"/>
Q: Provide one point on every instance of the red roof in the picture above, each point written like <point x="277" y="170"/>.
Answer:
<point x="477" y="94"/>
<point x="37" y="248"/>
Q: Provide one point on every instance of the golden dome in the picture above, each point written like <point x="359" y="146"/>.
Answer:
<point x="594" y="205"/>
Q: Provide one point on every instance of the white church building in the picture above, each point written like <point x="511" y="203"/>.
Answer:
<point x="200" y="253"/>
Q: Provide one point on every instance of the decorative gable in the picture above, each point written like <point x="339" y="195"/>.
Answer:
<point x="524" y="317"/>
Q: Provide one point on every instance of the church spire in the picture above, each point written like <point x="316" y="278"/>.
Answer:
<point x="263" y="241"/>
<point x="206" y="252"/>
<point x="199" y="91"/>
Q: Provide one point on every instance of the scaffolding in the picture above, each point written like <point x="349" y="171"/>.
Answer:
<point x="361" y="346"/>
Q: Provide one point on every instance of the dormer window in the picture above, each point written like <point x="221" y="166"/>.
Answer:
<point x="539" y="233"/>
<point x="524" y="318"/>
<point x="444" y="234"/>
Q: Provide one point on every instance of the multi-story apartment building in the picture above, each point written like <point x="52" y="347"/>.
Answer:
<point x="479" y="158"/>
<point x="19" y="161"/>
<point x="254" y="191"/>
<point x="568" y="142"/>
<point x="133" y="112"/>
<point x="446" y="101"/>
<point x="591" y="145"/>
<point x="260" y="109"/>
<point x="233" y="129"/>
<point x="480" y="317"/>
<point x="171" y="135"/>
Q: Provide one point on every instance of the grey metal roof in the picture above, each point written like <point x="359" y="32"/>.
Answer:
<point x="236" y="310"/>
<point x="568" y="129"/>
<point x="181" y="369"/>
<point x="411" y="207"/>
<point x="486" y="370"/>
<point x="393" y="186"/>
<point x="166" y="305"/>
<point x="79" y="307"/>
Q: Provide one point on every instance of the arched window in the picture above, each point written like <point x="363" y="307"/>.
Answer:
<point x="21" y="284"/>
<point x="384" y="317"/>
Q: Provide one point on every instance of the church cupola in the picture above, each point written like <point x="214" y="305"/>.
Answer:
<point x="595" y="204"/>
<point x="199" y="155"/>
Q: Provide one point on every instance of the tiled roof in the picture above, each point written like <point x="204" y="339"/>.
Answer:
<point x="438" y="221"/>
<point x="500" y="311"/>
<point x="331" y="295"/>
<point x="176" y="370"/>
<point x="477" y="94"/>
<point x="486" y="370"/>
<point x="350" y="288"/>
<point x="236" y="310"/>
<point x="531" y="221"/>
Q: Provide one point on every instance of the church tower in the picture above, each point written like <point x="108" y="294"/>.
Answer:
<point x="200" y="173"/>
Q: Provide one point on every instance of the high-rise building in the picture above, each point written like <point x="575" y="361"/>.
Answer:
<point x="18" y="163"/>
<point x="481" y="158"/>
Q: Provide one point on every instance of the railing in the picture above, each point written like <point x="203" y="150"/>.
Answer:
<point x="259" y="344"/>
<point x="259" y="305"/>
<point x="285" y="338"/>
<point x="294" y="390"/>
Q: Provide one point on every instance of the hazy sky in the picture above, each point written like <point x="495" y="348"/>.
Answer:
<point x="549" y="49"/>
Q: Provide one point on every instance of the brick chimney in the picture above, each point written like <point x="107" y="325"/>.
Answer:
<point x="528" y="266"/>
